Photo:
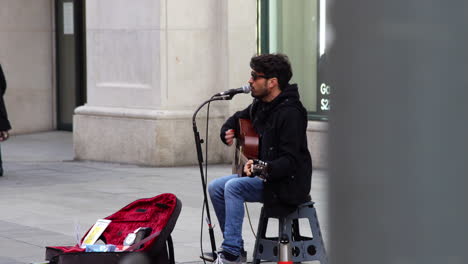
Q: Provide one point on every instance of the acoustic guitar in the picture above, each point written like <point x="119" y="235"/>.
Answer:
<point x="246" y="148"/>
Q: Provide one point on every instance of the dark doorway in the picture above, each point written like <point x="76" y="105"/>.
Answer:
<point x="70" y="55"/>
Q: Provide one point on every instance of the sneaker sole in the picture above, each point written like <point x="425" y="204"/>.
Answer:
<point x="208" y="256"/>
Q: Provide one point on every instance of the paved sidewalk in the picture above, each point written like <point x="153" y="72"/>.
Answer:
<point x="44" y="194"/>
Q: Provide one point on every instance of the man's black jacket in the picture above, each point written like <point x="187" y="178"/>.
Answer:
<point x="281" y="125"/>
<point x="4" y="123"/>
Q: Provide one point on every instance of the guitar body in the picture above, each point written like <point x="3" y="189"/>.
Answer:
<point x="246" y="146"/>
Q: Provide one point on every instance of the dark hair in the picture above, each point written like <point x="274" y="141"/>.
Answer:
<point x="273" y="65"/>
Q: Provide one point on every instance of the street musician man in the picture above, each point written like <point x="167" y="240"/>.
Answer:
<point x="284" y="180"/>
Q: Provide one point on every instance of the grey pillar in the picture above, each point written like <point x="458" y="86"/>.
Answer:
<point x="399" y="132"/>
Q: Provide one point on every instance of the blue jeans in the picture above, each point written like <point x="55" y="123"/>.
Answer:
<point x="228" y="195"/>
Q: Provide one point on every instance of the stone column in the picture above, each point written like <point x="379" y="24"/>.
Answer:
<point x="399" y="160"/>
<point x="150" y="64"/>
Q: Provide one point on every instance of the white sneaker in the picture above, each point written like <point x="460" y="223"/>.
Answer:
<point x="221" y="260"/>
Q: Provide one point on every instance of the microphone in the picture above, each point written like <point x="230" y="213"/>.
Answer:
<point x="232" y="92"/>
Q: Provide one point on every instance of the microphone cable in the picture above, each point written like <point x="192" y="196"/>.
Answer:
<point x="250" y="222"/>
<point x="201" y="234"/>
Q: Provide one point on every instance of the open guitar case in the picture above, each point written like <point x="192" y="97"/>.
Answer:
<point x="160" y="213"/>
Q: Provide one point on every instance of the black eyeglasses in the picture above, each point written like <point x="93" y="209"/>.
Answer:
<point x="255" y="76"/>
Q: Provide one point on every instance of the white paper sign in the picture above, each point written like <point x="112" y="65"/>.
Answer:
<point x="95" y="232"/>
<point x="68" y="25"/>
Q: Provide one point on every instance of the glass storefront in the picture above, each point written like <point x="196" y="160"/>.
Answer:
<point x="297" y="29"/>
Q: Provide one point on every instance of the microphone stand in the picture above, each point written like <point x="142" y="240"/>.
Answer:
<point x="198" y="143"/>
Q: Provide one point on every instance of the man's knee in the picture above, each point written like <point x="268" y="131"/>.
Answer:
<point x="233" y="187"/>
<point x="214" y="187"/>
<point x="211" y="188"/>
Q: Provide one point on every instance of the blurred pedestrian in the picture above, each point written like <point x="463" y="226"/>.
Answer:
<point x="4" y="123"/>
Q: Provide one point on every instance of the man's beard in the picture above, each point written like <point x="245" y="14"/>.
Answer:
<point x="262" y="95"/>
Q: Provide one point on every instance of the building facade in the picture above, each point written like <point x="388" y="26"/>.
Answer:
<point x="128" y="75"/>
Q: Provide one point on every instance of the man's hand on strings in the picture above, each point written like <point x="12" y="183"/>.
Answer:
<point x="248" y="168"/>
<point x="229" y="136"/>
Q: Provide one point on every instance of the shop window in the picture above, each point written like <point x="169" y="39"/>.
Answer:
<point x="297" y="28"/>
